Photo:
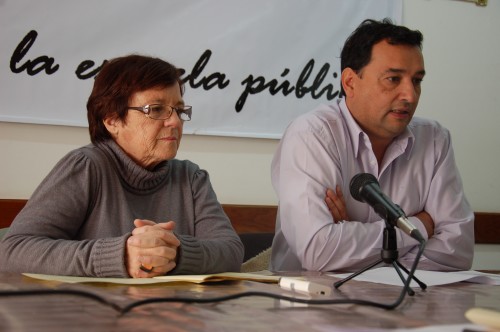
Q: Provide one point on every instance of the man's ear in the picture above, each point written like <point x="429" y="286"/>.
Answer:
<point x="348" y="81"/>
<point x="112" y="125"/>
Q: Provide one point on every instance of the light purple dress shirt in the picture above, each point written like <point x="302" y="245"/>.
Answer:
<point x="325" y="148"/>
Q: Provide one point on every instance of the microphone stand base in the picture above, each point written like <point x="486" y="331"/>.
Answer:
<point x="389" y="255"/>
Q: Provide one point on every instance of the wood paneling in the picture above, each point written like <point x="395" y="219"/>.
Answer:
<point x="262" y="218"/>
<point x="487" y="228"/>
<point x="9" y="208"/>
<point x="252" y="218"/>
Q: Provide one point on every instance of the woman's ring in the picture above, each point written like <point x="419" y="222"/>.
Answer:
<point x="145" y="269"/>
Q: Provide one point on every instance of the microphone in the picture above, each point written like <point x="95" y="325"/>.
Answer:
<point x="365" y="188"/>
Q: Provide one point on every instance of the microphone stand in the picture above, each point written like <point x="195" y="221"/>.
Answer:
<point x="389" y="255"/>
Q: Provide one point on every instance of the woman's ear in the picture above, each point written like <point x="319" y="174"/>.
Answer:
<point x="112" y="125"/>
<point x="348" y="80"/>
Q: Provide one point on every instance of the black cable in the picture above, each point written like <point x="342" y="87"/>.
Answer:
<point x="81" y="293"/>
<point x="130" y="306"/>
<point x="394" y="305"/>
<point x="135" y="304"/>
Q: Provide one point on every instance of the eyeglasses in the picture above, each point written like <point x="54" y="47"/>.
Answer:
<point x="164" y="112"/>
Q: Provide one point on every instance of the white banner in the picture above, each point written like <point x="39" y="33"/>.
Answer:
<point x="250" y="66"/>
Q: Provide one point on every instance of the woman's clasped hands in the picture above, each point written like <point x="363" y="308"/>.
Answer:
<point x="152" y="249"/>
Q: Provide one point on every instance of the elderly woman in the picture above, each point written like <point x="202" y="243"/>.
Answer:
<point x="123" y="206"/>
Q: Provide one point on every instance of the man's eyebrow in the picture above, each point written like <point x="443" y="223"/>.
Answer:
<point x="399" y="71"/>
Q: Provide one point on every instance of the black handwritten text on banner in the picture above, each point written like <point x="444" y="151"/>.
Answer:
<point x="249" y="67"/>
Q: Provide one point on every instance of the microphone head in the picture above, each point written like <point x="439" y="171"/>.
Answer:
<point x="358" y="182"/>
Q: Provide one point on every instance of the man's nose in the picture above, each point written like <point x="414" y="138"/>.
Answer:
<point x="409" y="91"/>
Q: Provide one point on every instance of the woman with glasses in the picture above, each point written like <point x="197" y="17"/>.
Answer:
<point x="122" y="206"/>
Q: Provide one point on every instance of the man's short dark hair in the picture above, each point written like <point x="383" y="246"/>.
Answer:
<point x="357" y="49"/>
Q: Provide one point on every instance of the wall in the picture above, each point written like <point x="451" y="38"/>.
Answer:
<point x="462" y="55"/>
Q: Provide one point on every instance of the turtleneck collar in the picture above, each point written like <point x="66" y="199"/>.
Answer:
<point x="134" y="177"/>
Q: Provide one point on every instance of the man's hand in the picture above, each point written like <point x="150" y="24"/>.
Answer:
<point x="336" y="204"/>
<point x="152" y="246"/>
<point x="426" y="219"/>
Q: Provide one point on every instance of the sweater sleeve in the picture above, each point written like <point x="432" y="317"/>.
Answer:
<point x="45" y="236"/>
<point x="215" y="247"/>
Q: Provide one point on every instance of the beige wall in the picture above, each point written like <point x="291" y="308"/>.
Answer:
<point x="462" y="54"/>
<point x="238" y="167"/>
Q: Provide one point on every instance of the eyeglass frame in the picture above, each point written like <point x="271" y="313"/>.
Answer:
<point x="146" y="109"/>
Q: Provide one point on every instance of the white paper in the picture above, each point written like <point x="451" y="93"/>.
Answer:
<point x="389" y="276"/>
<point x="432" y="328"/>
<point x="162" y="279"/>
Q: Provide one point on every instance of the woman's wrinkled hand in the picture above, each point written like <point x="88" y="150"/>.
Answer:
<point x="152" y="249"/>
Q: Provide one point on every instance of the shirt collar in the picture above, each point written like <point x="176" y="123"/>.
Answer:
<point x="358" y="136"/>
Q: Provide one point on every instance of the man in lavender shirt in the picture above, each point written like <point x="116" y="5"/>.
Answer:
<point x="370" y="129"/>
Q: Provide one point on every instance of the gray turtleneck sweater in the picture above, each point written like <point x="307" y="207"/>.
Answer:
<point x="79" y="218"/>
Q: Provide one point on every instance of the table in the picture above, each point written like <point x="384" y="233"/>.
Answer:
<point x="435" y="306"/>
